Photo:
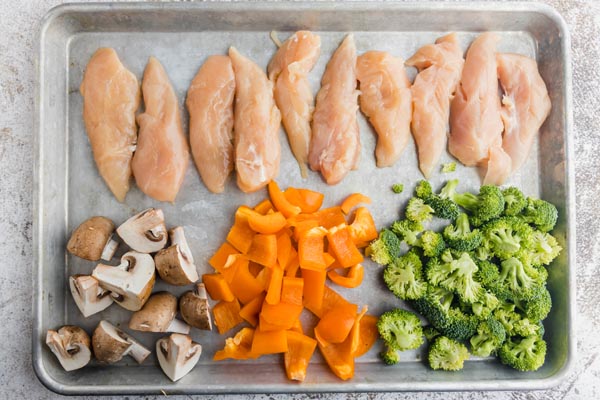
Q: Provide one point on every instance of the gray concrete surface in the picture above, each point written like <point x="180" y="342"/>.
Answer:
<point x="18" y="28"/>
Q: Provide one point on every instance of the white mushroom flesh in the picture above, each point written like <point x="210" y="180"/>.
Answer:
<point x="145" y="232"/>
<point x="177" y="355"/>
<point x="109" y="249"/>
<point x="71" y="345"/>
<point x="88" y="295"/>
<point x="175" y="264"/>
<point x="111" y="344"/>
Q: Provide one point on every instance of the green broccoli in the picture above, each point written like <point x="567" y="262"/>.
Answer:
<point x="407" y="230"/>
<point x="443" y="205"/>
<point x="432" y="243"/>
<point x="385" y="248"/>
<point x="397" y="188"/>
<point x="505" y="236"/>
<point x="455" y="274"/>
<point x="517" y="280"/>
<point x="490" y="336"/>
<point x="436" y="306"/>
<point x="448" y="167"/>
<point x="460" y="236"/>
<point x="403" y="277"/>
<point x="525" y="327"/>
<point x="400" y="329"/>
<point x="536" y="307"/>
<point x="390" y="356"/>
<point x="423" y="190"/>
<point x="487" y="273"/>
<point x="430" y="333"/>
<point x="514" y="201"/>
<point x="418" y="211"/>
<point x="485" y="206"/>
<point x="523" y="354"/>
<point x="485" y="305"/>
<point x="540" y="213"/>
<point x="447" y="354"/>
<point x="542" y="248"/>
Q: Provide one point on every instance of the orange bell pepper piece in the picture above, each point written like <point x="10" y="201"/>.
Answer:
<point x="254" y="268"/>
<point x="329" y="300"/>
<point x="293" y="264"/>
<point x="264" y="277"/>
<point x="338" y="356"/>
<point x="298" y="355"/>
<point x="221" y="256"/>
<point x="240" y="235"/>
<point x="243" y="285"/>
<point x="274" y="290"/>
<point x="297" y="327"/>
<point x="362" y="229"/>
<point x="264" y="207"/>
<point x="269" y="342"/>
<point x="366" y="334"/>
<point x="284" y="249"/>
<point x="301" y="227"/>
<point x="263" y="250"/>
<point x="314" y="287"/>
<point x="251" y="309"/>
<point x="280" y="202"/>
<point x="281" y="314"/>
<point x="353" y="279"/>
<point x="227" y="315"/>
<point x="330" y="217"/>
<point x="353" y="200"/>
<point x="311" y="248"/>
<point x="217" y="287"/>
<point x="344" y="249"/>
<point x="268" y="223"/>
<point x="309" y="201"/>
<point x="237" y="347"/>
<point x="335" y="325"/>
<point x="291" y="290"/>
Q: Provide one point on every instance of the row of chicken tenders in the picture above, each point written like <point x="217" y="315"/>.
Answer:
<point x="236" y="111"/>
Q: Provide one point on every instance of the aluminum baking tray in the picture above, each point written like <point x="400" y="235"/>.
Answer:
<point x="68" y="188"/>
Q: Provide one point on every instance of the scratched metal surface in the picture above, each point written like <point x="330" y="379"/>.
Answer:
<point x="579" y="14"/>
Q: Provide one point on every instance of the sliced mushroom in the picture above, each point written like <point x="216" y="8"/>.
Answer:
<point x="175" y="264"/>
<point x="177" y="355"/>
<point x="194" y="308"/>
<point x="71" y="345"/>
<point x="88" y="295"/>
<point x="92" y="240"/>
<point x="110" y="344"/>
<point x="130" y="282"/>
<point x="158" y="315"/>
<point x="145" y="232"/>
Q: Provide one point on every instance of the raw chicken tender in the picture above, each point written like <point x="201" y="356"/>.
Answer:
<point x="335" y="143"/>
<point x="440" y="66"/>
<point x="210" y="104"/>
<point x="256" y="125"/>
<point x="525" y="105"/>
<point x="386" y="100"/>
<point x="162" y="154"/>
<point x="288" y="70"/>
<point x="111" y="96"/>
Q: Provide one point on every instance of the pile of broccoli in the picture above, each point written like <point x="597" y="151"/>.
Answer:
<point x="479" y="282"/>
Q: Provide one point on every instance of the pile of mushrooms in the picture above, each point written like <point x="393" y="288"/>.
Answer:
<point x="130" y="285"/>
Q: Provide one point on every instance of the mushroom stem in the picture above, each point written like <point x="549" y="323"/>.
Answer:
<point x="109" y="249"/>
<point x="137" y="350"/>
<point x="178" y="326"/>
<point x="178" y="237"/>
<point x="201" y="291"/>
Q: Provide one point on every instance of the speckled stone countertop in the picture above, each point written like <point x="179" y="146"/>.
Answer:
<point x="20" y="22"/>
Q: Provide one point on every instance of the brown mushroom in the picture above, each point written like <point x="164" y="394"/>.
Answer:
<point x="88" y="295"/>
<point x="158" y="315"/>
<point x="71" y="345"/>
<point x="177" y="355"/>
<point x="175" y="264"/>
<point x="145" y="232"/>
<point x="92" y="240"/>
<point x="195" y="309"/>
<point x="110" y="344"/>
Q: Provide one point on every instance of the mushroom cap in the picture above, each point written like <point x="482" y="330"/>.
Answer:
<point x="156" y="315"/>
<point x="195" y="310"/>
<point x="177" y="355"/>
<point x="131" y="282"/>
<point x="145" y="232"/>
<point x="71" y="345"/>
<point x="88" y="239"/>
<point x="174" y="268"/>
<point x="88" y="295"/>
<point x="110" y="343"/>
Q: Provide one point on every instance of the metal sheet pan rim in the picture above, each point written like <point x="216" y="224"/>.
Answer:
<point x="545" y="383"/>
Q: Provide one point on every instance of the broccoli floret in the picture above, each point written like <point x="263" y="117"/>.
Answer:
<point x="443" y="205"/>
<point x="523" y="354"/>
<point x="490" y="336"/>
<point x="524" y="327"/>
<point x="423" y="190"/>
<point x="485" y="305"/>
<point x="385" y="248"/>
<point x="542" y="248"/>
<point x="514" y="201"/>
<point x="483" y="252"/>
<point x="448" y="167"/>
<point x="540" y="213"/>
<point x="400" y="329"/>
<point x="537" y="307"/>
<point x="390" y="356"/>
<point x="517" y="280"/>
<point x="404" y="277"/>
<point x="505" y="313"/>
<point x="447" y="354"/>
<point x="485" y="206"/>
<point x="407" y="230"/>
<point x="432" y="243"/>
<point x="430" y="333"/>
<point x="397" y="188"/>
<point x="418" y="211"/>
<point x="487" y="273"/>
<point x="460" y="236"/>
<point x="455" y="274"/>
<point x="436" y="306"/>
<point x="506" y="236"/>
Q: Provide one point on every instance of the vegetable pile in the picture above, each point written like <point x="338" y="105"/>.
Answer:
<point x="275" y="263"/>
<point x="480" y="281"/>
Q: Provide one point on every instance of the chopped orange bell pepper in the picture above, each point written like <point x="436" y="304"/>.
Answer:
<point x="254" y="268"/>
<point x="329" y="299"/>
<point x="280" y="202"/>
<point x="264" y="277"/>
<point x="363" y="228"/>
<point x="237" y="347"/>
<point x="314" y="287"/>
<point x="219" y="259"/>
<point x="269" y="342"/>
<point x="281" y="314"/>
<point x="268" y="223"/>
<point x="251" y="309"/>
<point x="353" y="279"/>
<point x="227" y="315"/>
<point x="297" y="327"/>
<point x="293" y="264"/>
<point x="274" y="290"/>
<point x="353" y="200"/>
<point x="263" y="250"/>
<point x="335" y="325"/>
<point x="367" y="335"/>
<point x="217" y="287"/>
<point x="291" y="290"/>
<point x="311" y="248"/>
<point x="240" y="235"/>
<point x="338" y="356"/>
<point x="264" y="207"/>
<point x="301" y="227"/>
<point x="243" y="285"/>
<point x="284" y="249"/>
<point x="231" y="266"/>
<point x="298" y="355"/>
<point x="344" y="249"/>
<point x="312" y="200"/>
<point x="330" y="217"/>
